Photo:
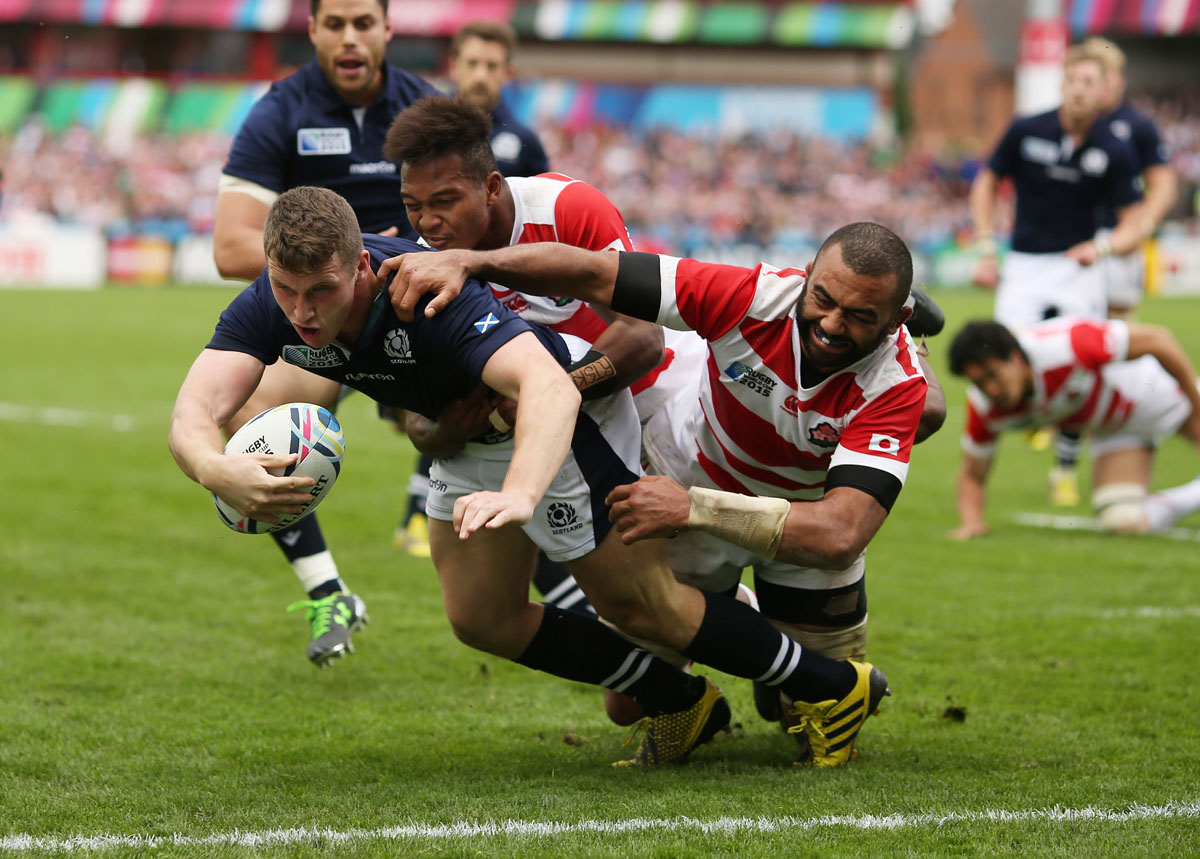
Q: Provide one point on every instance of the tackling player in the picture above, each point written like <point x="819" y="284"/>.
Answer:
<point x="323" y="125"/>
<point x="795" y="449"/>
<point x="1129" y="385"/>
<point x="321" y="305"/>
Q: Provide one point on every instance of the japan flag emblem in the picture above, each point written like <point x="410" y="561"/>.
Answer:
<point x="881" y="443"/>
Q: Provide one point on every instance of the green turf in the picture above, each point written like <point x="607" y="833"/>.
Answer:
<point x="151" y="683"/>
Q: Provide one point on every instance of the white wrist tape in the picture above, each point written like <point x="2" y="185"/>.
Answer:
<point x="1103" y="244"/>
<point x="499" y="423"/>
<point x="744" y="520"/>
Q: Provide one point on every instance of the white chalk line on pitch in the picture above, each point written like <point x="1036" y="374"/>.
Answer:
<point x="52" y="416"/>
<point x="536" y="829"/>
<point x="1067" y="522"/>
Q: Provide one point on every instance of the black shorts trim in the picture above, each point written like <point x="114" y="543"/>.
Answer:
<point x="844" y="606"/>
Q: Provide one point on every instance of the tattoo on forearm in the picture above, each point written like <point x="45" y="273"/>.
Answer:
<point x="594" y="373"/>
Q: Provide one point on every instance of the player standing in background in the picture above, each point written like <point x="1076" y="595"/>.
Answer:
<point x="795" y="448"/>
<point x="323" y="125"/>
<point x="1065" y="164"/>
<point x="1129" y="385"/>
<point x="481" y="63"/>
<point x="1125" y="276"/>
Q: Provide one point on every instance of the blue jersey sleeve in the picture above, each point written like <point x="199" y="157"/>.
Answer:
<point x="251" y="324"/>
<point x="260" y="152"/>
<point x="469" y="331"/>
<point x="534" y="156"/>
<point x="1126" y="185"/>
<point x="1150" y="149"/>
<point x="1005" y="158"/>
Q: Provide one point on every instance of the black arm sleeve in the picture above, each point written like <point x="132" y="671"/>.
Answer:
<point x="883" y="487"/>
<point x="638" y="289"/>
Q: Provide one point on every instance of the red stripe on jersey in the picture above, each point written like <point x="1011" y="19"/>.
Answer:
<point x="537" y="233"/>
<point x="650" y="378"/>
<point x="719" y="476"/>
<point x="772" y="341"/>
<point x="837" y="397"/>
<point x="769" y="477"/>
<point x="1055" y="379"/>
<point x="791" y="272"/>
<point x="587" y="219"/>
<point x="976" y="427"/>
<point x="753" y="434"/>
<point x="1088" y="344"/>
<point x="712" y="298"/>
<point x="902" y="356"/>
<point x="584" y="323"/>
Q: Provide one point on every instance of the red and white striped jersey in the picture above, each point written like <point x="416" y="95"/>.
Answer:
<point x="759" y="431"/>
<point x="1070" y="359"/>
<point x="557" y="208"/>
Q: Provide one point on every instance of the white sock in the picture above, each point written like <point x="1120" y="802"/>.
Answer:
<point x="1167" y="507"/>
<point x="313" y="570"/>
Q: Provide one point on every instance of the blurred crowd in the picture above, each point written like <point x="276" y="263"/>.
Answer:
<point x="687" y="193"/>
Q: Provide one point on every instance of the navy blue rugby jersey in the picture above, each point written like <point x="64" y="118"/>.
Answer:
<point x="302" y="133"/>
<point x="423" y="365"/>
<point x="518" y="150"/>
<point x="1139" y="133"/>
<point x="1060" y="186"/>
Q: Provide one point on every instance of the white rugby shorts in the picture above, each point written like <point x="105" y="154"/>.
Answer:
<point x="572" y="518"/>
<point x="1159" y="409"/>
<point x="1036" y="287"/>
<point x="1124" y="278"/>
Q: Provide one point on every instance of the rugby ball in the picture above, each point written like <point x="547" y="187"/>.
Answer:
<point x="301" y="428"/>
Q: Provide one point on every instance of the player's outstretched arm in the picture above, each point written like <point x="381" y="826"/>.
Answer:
<point x="217" y="385"/>
<point x="545" y="268"/>
<point x="971" y="498"/>
<point x="830" y="533"/>
<point x="547" y="403"/>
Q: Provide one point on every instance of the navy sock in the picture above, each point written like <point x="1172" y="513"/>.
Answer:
<point x="302" y="539"/>
<point x="557" y="586"/>
<point x="736" y="639"/>
<point x="326" y="588"/>
<point x="579" y="647"/>
<point x="1067" y="446"/>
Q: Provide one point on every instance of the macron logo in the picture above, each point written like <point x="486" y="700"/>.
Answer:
<point x="482" y="325"/>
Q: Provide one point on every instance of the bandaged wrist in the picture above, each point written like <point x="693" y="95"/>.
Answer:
<point x="498" y="423"/>
<point x="1103" y="245"/>
<point x="750" y="522"/>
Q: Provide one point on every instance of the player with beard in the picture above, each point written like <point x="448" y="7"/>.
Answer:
<point x="796" y="445"/>
<point x="324" y="126"/>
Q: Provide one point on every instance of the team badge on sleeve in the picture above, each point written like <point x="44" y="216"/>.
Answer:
<point x="881" y="443"/>
<point x="482" y="325"/>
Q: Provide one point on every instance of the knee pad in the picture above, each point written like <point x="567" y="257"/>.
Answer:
<point x="1121" y="507"/>
<point x="848" y="643"/>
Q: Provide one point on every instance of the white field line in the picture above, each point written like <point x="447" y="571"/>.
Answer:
<point x="1065" y="522"/>
<point x="535" y="829"/>
<point x="1152" y="611"/>
<point x="55" y="417"/>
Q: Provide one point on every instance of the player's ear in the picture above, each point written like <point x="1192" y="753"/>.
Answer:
<point x="493" y="184"/>
<point x="900" y="318"/>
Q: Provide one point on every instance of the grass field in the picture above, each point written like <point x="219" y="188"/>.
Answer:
<point x="154" y="696"/>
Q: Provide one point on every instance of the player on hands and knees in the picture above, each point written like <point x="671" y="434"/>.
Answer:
<point x="1129" y="385"/>
<point x="794" y="450"/>
<point x="323" y="125"/>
